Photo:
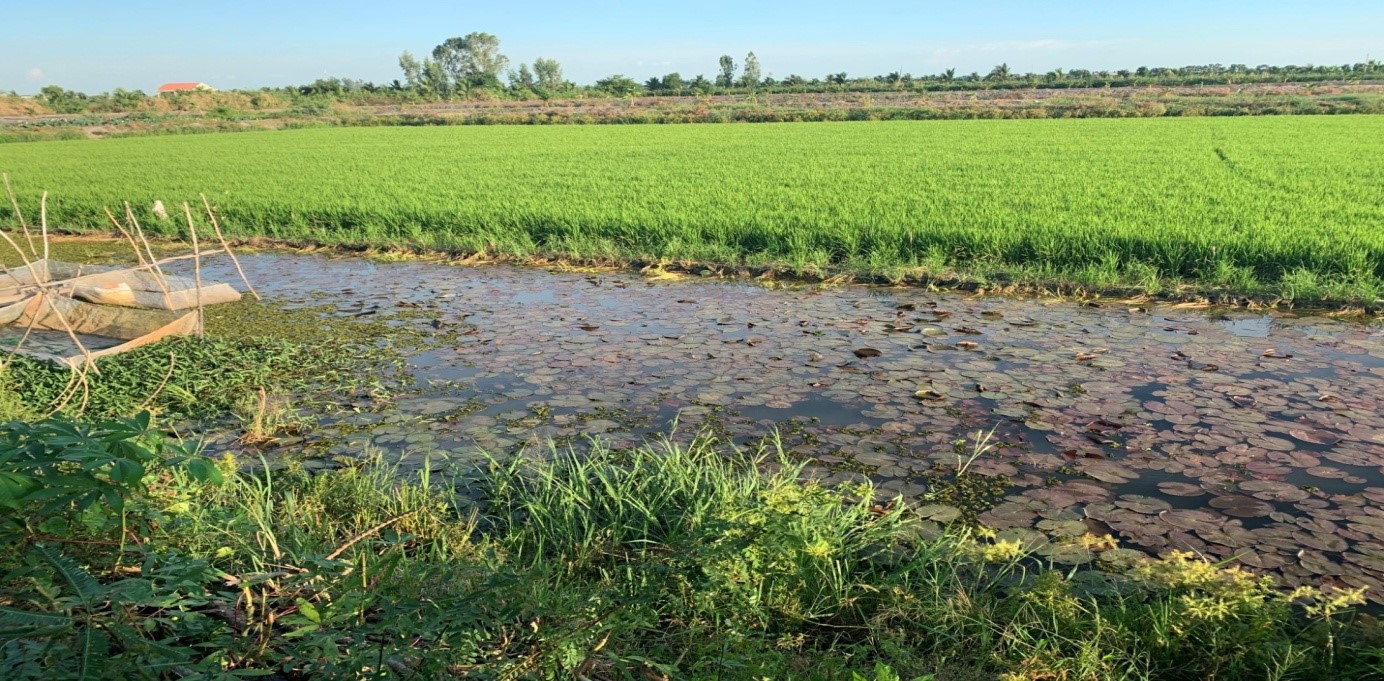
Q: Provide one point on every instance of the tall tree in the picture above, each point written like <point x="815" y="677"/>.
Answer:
<point x="474" y="60"/>
<point x="619" y="85"/>
<point x="413" y="70"/>
<point x="434" y="78"/>
<point x="727" y="77"/>
<point x="949" y="75"/>
<point x="548" y="73"/>
<point x="521" y="79"/>
<point x="750" y="76"/>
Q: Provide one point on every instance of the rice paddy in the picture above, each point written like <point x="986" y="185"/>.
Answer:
<point x="1290" y="206"/>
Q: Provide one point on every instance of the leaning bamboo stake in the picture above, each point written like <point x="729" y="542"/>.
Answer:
<point x="130" y="215"/>
<point x="43" y="223"/>
<point x="139" y="255"/>
<point x="139" y="231"/>
<point x="227" y="247"/>
<point x="17" y="213"/>
<point x="78" y="380"/>
<point x="172" y="362"/>
<point x="10" y="358"/>
<point x="72" y="283"/>
<point x="136" y="268"/>
<point x="159" y="277"/>
<point x="43" y="292"/>
<point x="72" y="333"/>
<point x="196" y="269"/>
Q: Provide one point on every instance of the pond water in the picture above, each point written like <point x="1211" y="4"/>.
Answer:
<point x="1234" y="434"/>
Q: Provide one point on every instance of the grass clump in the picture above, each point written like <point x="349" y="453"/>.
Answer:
<point x="666" y="561"/>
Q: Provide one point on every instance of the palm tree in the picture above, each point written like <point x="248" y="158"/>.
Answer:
<point x="1000" y="72"/>
<point x="949" y="75"/>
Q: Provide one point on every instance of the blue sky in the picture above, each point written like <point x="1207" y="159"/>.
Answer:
<point x="138" y="44"/>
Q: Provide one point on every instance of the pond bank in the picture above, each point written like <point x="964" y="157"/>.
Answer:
<point x="1252" y="436"/>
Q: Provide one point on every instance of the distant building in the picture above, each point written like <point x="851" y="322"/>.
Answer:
<point x="185" y="87"/>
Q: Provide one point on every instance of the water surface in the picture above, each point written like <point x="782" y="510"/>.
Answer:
<point x="1253" y="436"/>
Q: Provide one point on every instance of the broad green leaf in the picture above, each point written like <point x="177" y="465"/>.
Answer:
<point x="203" y="470"/>
<point x="309" y="611"/>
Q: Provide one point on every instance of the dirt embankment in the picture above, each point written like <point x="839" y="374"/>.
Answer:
<point x="28" y="120"/>
<point x="21" y="106"/>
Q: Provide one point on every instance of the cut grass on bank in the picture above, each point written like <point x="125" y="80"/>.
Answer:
<point x="1280" y="205"/>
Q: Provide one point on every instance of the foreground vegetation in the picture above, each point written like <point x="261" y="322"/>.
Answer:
<point x="128" y="554"/>
<point x="128" y="557"/>
<point x="1279" y="206"/>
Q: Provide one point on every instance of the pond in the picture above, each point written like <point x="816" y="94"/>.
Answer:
<point x="1257" y="436"/>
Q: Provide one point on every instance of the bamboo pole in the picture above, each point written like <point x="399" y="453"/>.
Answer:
<point x="159" y="279"/>
<point x="139" y="255"/>
<point x="172" y="362"/>
<point x="227" y="247"/>
<point x="130" y="215"/>
<point x="137" y="268"/>
<point x="43" y="292"/>
<point x="77" y="381"/>
<point x="43" y="223"/>
<point x="91" y="361"/>
<point x="196" y="270"/>
<point x="27" y="330"/>
<point x="17" y="213"/>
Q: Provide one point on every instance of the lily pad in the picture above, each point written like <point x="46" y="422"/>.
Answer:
<point x="1181" y="489"/>
<point x="1122" y="559"/>
<point x="1067" y="553"/>
<point x="941" y="513"/>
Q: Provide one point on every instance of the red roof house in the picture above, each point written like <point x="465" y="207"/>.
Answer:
<point x="185" y="87"/>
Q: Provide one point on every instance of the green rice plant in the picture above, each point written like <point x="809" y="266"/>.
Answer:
<point x="1221" y="201"/>
<point x="1234" y="277"/>
<point x="1302" y="284"/>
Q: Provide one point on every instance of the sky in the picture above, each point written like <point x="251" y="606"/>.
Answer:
<point x="95" y="46"/>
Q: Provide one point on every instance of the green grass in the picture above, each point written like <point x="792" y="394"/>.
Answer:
<point x="250" y="347"/>
<point x="1287" y="205"/>
<point x="691" y="561"/>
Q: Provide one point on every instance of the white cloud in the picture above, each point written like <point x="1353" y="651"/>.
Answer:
<point x="35" y="73"/>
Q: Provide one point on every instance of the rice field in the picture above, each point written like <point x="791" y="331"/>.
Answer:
<point x="1291" y="205"/>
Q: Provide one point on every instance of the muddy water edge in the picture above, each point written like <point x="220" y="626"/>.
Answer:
<point x="1253" y="437"/>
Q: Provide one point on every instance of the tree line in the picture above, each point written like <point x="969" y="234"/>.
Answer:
<point x="472" y="67"/>
<point x="459" y="67"/>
